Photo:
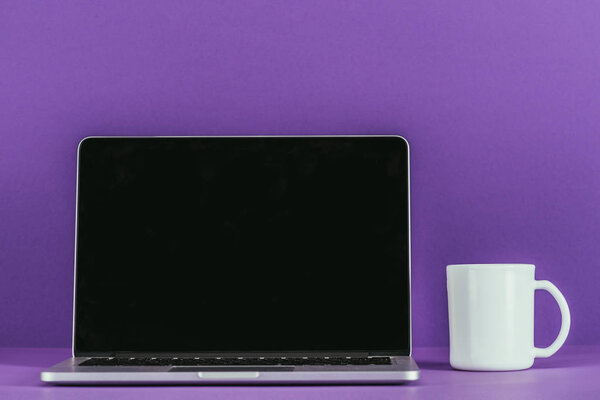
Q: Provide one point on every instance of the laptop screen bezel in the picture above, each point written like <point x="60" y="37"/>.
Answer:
<point x="405" y="300"/>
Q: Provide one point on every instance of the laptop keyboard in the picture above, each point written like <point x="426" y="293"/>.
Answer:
<point x="200" y="361"/>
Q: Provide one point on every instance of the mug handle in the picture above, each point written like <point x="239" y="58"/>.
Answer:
<point x="566" y="320"/>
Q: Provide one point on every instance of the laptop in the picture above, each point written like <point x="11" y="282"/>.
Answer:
<point x="241" y="260"/>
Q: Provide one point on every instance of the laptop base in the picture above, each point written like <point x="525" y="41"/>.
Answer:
<point x="69" y="372"/>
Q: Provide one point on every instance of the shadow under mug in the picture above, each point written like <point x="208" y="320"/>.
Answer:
<point x="490" y="310"/>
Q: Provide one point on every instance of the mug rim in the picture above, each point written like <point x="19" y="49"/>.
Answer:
<point x="490" y="266"/>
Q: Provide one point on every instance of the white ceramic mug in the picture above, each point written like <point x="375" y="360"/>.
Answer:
<point x="490" y="309"/>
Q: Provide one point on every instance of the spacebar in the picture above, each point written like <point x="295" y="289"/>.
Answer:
<point x="233" y="368"/>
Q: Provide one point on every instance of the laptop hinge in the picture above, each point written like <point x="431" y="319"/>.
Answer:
<point x="226" y="354"/>
<point x="388" y="353"/>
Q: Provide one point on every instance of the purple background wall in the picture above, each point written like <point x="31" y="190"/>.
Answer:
<point x="500" y="101"/>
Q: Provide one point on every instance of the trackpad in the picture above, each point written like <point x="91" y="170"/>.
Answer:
<point x="233" y="368"/>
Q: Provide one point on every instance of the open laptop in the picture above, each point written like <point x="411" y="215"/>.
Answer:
<point x="241" y="260"/>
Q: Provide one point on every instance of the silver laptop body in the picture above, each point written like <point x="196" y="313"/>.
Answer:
<point x="319" y="363"/>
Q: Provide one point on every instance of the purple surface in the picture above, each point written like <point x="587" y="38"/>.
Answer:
<point x="499" y="101"/>
<point x="570" y="374"/>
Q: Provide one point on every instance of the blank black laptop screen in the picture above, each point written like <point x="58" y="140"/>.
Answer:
<point x="242" y="244"/>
